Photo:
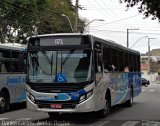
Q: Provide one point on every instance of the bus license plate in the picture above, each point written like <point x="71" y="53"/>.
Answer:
<point x="56" y="106"/>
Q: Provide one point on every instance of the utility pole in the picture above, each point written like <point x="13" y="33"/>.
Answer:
<point x="149" y="56"/>
<point x="128" y="35"/>
<point x="149" y="64"/>
<point x="76" y="15"/>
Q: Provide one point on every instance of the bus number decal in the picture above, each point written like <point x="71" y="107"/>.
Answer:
<point x="58" y="41"/>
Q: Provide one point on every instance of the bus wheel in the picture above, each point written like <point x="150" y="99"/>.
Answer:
<point x="129" y="102"/>
<point x="4" y="102"/>
<point x="107" y="109"/>
<point x="53" y="114"/>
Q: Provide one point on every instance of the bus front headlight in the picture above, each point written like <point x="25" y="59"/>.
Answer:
<point x="82" y="98"/>
<point x="86" y="96"/>
<point x="89" y="94"/>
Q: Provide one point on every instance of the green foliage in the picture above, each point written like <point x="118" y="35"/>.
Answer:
<point x="16" y="17"/>
<point x="147" y="7"/>
<point x="22" y="18"/>
<point x="51" y="19"/>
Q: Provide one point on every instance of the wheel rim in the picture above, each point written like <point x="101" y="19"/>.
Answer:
<point x="2" y="102"/>
<point x="132" y="100"/>
<point x="107" y="107"/>
<point x="131" y="97"/>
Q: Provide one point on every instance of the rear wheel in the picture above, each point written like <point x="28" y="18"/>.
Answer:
<point x="4" y="102"/>
<point x="129" y="102"/>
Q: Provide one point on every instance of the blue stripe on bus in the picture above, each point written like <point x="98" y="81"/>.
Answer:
<point x="57" y="97"/>
<point x="135" y="80"/>
<point x="122" y="92"/>
<point x="63" y="96"/>
<point x="128" y="79"/>
<point x="76" y="95"/>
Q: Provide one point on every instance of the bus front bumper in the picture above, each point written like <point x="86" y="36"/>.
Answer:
<point x="85" y="106"/>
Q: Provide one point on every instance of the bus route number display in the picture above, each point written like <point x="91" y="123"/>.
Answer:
<point x="58" y="41"/>
<point x="55" y="40"/>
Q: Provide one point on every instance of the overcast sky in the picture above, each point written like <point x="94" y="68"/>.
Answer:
<point x="117" y="20"/>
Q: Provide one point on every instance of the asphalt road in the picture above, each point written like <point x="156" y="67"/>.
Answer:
<point x="144" y="112"/>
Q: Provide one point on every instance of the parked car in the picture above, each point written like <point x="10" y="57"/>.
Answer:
<point x="145" y="82"/>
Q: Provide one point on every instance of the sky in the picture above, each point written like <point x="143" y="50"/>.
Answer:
<point x="117" y="19"/>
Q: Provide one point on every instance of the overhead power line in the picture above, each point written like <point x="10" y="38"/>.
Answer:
<point x="124" y="32"/>
<point x="103" y="14"/>
<point x="118" y="20"/>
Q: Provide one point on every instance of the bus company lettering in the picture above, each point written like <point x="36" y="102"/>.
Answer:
<point x="15" y="80"/>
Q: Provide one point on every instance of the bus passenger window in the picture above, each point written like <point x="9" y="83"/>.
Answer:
<point x="126" y="69"/>
<point x="3" y="68"/>
<point x="6" y="63"/>
<point x="98" y="67"/>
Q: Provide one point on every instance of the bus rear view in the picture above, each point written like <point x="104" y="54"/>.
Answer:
<point x="60" y="74"/>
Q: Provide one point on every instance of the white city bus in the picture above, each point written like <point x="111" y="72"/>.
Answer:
<point x="70" y="73"/>
<point x="12" y="74"/>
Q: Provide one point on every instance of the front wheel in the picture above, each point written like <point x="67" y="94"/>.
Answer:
<point x="107" y="109"/>
<point x="4" y="102"/>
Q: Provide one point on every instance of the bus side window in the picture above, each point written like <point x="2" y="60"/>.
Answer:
<point x="3" y="68"/>
<point x="98" y="66"/>
<point x="98" y="63"/>
<point x="6" y="62"/>
<point x="107" y="59"/>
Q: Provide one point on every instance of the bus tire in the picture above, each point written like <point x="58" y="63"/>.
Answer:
<point x="107" y="110"/>
<point x="129" y="102"/>
<point x="4" y="101"/>
<point x="53" y="114"/>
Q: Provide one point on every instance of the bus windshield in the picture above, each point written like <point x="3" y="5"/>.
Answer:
<point x="59" y="66"/>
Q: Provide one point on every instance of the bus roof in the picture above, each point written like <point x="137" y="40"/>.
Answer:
<point x="13" y="46"/>
<point x="105" y="41"/>
<point x="114" y="44"/>
<point x="60" y="34"/>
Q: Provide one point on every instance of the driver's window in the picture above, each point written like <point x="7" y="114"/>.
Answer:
<point x="98" y="66"/>
<point x="98" y="62"/>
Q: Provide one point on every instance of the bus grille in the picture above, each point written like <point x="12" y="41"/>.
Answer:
<point x="56" y="89"/>
<point x="65" y="105"/>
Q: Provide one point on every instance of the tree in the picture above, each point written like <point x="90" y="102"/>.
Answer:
<point x="147" y="7"/>
<point x="51" y="19"/>
<point x="17" y="18"/>
<point x="22" y="18"/>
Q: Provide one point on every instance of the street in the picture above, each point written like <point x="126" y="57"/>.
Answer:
<point x="145" y="109"/>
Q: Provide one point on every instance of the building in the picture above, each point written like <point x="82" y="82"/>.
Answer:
<point x="144" y="68"/>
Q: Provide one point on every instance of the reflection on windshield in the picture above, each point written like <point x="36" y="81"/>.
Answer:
<point x="59" y="66"/>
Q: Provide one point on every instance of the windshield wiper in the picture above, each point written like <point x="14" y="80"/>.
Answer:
<point x="67" y="57"/>
<point x="48" y="59"/>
